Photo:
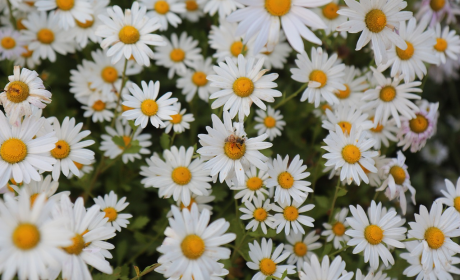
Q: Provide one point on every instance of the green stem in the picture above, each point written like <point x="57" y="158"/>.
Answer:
<point x="338" y="251"/>
<point x="291" y="96"/>
<point x="331" y="211"/>
<point x="122" y="86"/>
<point x="172" y="139"/>
<point x="376" y="195"/>
<point x="12" y="18"/>
<point x="146" y="271"/>
<point x="409" y="239"/>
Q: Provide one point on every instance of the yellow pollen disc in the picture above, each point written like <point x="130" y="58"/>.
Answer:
<point x="457" y="203"/>
<point x="65" y="5"/>
<point x="267" y="266"/>
<point x="125" y="108"/>
<point x="234" y="151"/>
<point x="377" y="129"/>
<point x="237" y="48"/>
<point x="17" y="91"/>
<point x="98" y="106"/>
<point x="437" y="5"/>
<point x="269" y="122"/>
<point x="364" y="169"/>
<point x="149" y="107"/>
<point x="181" y="175"/>
<point x="8" y="42"/>
<point x="177" y="55"/>
<point x="161" y="7"/>
<point x="254" y="183"/>
<point x="345" y="126"/>
<point x="375" y="20"/>
<point x="78" y="165"/>
<point x="351" y="154"/>
<point x="243" y="87"/>
<point x="286" y="180"/>
<point x="13" y="150"/>
<point x="419" y="124"/>
<point x="176" y="118"/>
<point x="373" y="234"/>
<point x="109" y="74"/>
<point x="300" y="249"/>
<point x="434" y="237"/>
<point x="326" y="107"/>
<point x="330" y="11"/>
<point x="398" y="173"/>
<point x="126" y="141"/>
<point x="441" y="45"/>
<point x="192" y="246"/>
<point x="407" y="53"/>
<point x="62" y="150"/>
<point x="260" y="214"/>
<point x="30" y="3"/>
<point x="338" y="229"/>
<point x="19" y="23"/>
<point x="291" y="213"/>
<point x="111" y="213"/>
<point x="189" y="207"/>
<point x="26" y="236"/>
<point x="278" y="8"/>
<point x="27" y="53"/>
<point x="344" y="94"/>
<point x="78" y="244"/>
<point x="86" y="24"/>
<point x="318" y="76"/>
<point x="45" y="36"/>
<point x="191" y="5"/>
<point x="129" y="35"/>
<point x="199" y="79"/>
<point x="387" y="93"/>
<point x="33" y="198"/>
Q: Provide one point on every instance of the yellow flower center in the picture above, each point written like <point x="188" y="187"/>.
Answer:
<point x="33" y="198"/>
<point x="269" y="122"/>
<point x="398" y="173"/>
<point x="62" y="150"/>
<point x="286" y="180"/>
<point x="419" y="124"/>
<point x="373" y="234"/>
<point x="125" y="108"/>
<point x="98" y="106"/>
<point x="300" y="249"/>
<point x="345" y="126"/>
<point x="86" y="24"/>
<point x="161" y="7"/>
<point x="129" y="35"/>
<point x="78" y="165"/>
<point x="192" y="246"/>
<point x="111" y="213"/>
<point x="78" y="244"/>
<point x="177" y="55"/>
<point x="441" y="45"/>
<point x="181" y="175"/>
<point x="326" y="107"/>
<point x="199" y="79"/>
<point x="437" y="5"/>
<point x="149" y="107"/>
<point x="318" y="76"/>
<point x="189" y="207"/>
<point x="109" y="74"/>
<point x="237" y="48"/>
<point x="330" y="11"/>
<point x="234" y="150"/>
<point x="26" y="236"/>
<point x="243" y="87"/>
<point x="27" y="53"/>
<point x="457" y="203"/>
<point x="267" y="266"/>
<point x="387" y="93"/>
<point x="65" y="5"/>
<point x="407" y="53"/>
<point x="291" y="213"/>
<point x="260" y="214"/>
<point x="434" y="237"/>
<point x="338" y="229"/>
<point x="364" y="168"/>
<point x="344" y="94"/>
<point x="176" y="119"/>
<point x="126" y="141"/>
<point x="191" y="5"/>
<point x="254" y="183"/>
<point x="19" y="23"/>
<point x="378" y="128"/>
<point x="351" y="154"/>
<point x="375" y="20"/>
<point x="13" y="150"/>
<point x="17" y="91"/>
<point x="45" y="36"/>
<point x="278" y="8"/>
<point x="8" y="42"/>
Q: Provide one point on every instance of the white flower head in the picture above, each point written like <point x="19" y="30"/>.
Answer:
<point x="112" y="207"/>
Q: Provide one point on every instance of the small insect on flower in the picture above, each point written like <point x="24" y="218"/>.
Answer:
<point x="235" y="140"/>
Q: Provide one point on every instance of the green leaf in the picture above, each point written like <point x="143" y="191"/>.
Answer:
<point x="121" y="249"/>
<point x="119" y="273"/>
<point x="139" y="223"/>
<point x="327" y="249"/>
<point x="118" y="140"/>
<point x="133" y="147"/>
<point x="322" y="201"/>
<point x="341" y="192"/>
<point x="131" y="124"/>
<point x="165" y="140"/>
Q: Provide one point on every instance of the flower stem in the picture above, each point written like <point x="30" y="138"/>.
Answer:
<point x="291" y="96"/>
<point x="331" y="211"/>
<point x="12" y="18"/>
<point x="122" y="86"/>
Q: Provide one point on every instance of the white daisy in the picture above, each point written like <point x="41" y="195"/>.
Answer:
<point x="80" y="85"/>
<point x="223" y="40"/>
<point x="313" y="270"/>
<point x="83" y="169"/>
<point x="328" y="13"/>
<point x="45" y="185"/>
<point x="26" y="59"/>
<point x="180" y="121"/>
<point x="201" y="201"/>
<point x="258" y="213"/>
<point x="300" y="249"/>
<point x="372" y="275"/>
<point x="290" y="216"/>
<point x="355" y="83"/>
<point x="99" y="110"/>
<point x="166" y="11"/>
<point x="437" y="10"/>
<point x="447" y="44"/>
<point x="266" y="262"/>
<point x="335" y="231"/>
<point x="68" y="11"/>
<point x="435" y="152"/>
<point x="11" y="44"/>
<point x="383" y="134"/>
<point x="195" y="80"/>
<point x="451" y="195"/>
<point x="223" y="7"/>
<point x="322" y="74"/>
<point x="269" y="122"/>
<point x="112" y="207"/>
<point x="278" y="57"/>
<point x="372" y="234"/>
<point x="253" y="187"/>
<point x="346" y="117"/>
<point x="164" y="268"/>
<point x="193" y="10"/>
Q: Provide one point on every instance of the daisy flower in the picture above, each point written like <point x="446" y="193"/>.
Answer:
<point x="242" y="84"/>
<point x="112" y="207"/>
<point x="346" y="117"/>
<point x="410" y="62"/>
<point x="277" y="58"/>
<point x="180" y="121"/>
<point x="322" y="74"/>
<point x="80" y="85"/>
<point x="99" y="110"/>
<point x="289" y="215"/>
<point x="227" y="150"/>
<point x="435" y="229"/>
<point x="435" y="152"/>
<point x="24" y="91"/>
<point x="30" y="239"/>
<point x="26" y="59"/>
<point x="83" y="169"/>
<point x="193" y="247"/>
<point x="288" y="180"/>
<point x="373" y="233"/>
<point x="377" y="20"/>
<point x="451" y="195"/>
<point x="328" y="13"/>
<point x="177" y="54"/>
<point x="166" y="11"/>
<point x="320" y="112"/>
<point x="300" y="249"/>
<point x="372" y="275"/>
<point x="11" y="44"/>
<point x="336" y="231"/>
<point x="201" y="201"/>
<point x="195" y="80"/>
<point x="436" y="10"/>
<point x="193" y="10"/>
<point x="383" y="134"/>
<point x="45" y="185"/>
<point x="129" y="34"/>
<point x="266" y="262"/>
<point x="223" y="40"/>
<point x="223" y="7"/>
<point x="269" y="122"/>
<point x="350" y="153"/>
<point x="389" y="97"/>
<point x="178" y="176"/>
<point x="313" y="270"/>
<point x="147" y="107"/>
<point x="292" y="16"/>
<point x="164" y="268"/>
<point x="355" y="85"/>
<point x="258" y="213"/>
<point x="253" y="187"/>
<point x="68" y="11"/>
<point x="447" y="43"/>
